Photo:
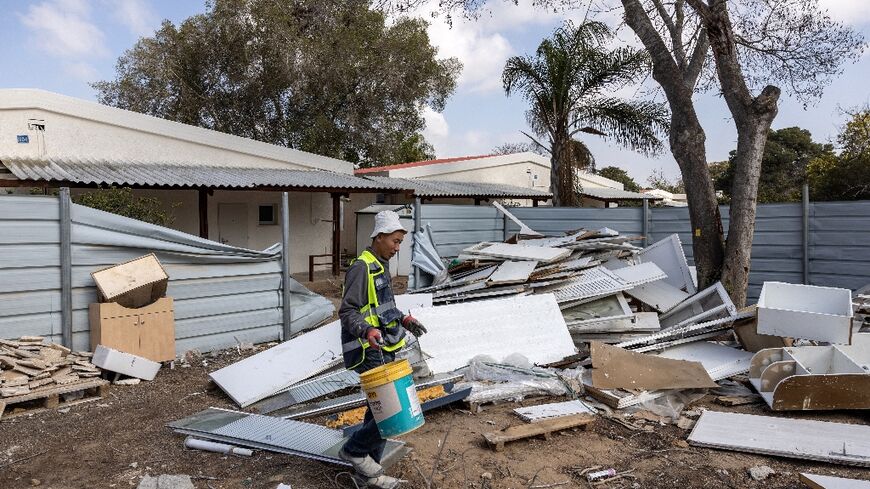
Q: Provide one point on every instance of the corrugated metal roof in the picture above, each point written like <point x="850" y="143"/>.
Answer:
<point x="615" y="194"/>
<point x="441" y="188"/>
<point x="94" y="171"/>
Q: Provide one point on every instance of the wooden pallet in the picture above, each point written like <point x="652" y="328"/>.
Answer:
<point x="497" y="439"/>
<point x="49" y="397"/>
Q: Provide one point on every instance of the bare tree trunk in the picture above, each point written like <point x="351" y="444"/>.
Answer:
<point x="753" y="117"/>
<point x="556" y="163"/>
<point x="744" y="198"/>
<point x="687" y="145"/>
<point x="687" y="139"/>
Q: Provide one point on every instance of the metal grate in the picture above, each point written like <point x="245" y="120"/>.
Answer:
<point x="594" y="282"/>
<point x="310" y="389"/>
<point x="284" y="433"/>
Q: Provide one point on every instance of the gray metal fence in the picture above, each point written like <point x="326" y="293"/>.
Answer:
<point x="222" y="295"/>
<point x="839" y="234"/>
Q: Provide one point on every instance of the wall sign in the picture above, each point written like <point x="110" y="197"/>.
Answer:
<point x="23" y="139"/>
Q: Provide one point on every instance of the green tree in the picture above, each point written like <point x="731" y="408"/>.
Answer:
<point x="327" y="76"/>
<point x="846" y="177"/>
<point x="621" y="176"/>
<point x="783" y="165"/>
<point x="568" y="84"/>
<point x="122" y="202"/>
<point x="659" y="180"/>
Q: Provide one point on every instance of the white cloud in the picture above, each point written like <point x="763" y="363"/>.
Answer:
<point x="136" y="15"/>
<point x="849" y="11"/>
<point x="483" y="44"/>
<point x="63" y="28"/>
<point x="82" y="71"/>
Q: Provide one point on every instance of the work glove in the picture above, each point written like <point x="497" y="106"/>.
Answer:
<point x="413" y="326"/>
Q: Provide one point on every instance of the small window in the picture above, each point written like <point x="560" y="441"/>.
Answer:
<point x="267" y="214"/>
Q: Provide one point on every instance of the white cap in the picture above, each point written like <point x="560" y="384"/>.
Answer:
<point x="387" y="222"/>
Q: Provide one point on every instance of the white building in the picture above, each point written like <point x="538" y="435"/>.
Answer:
<point x="668" y="199"/>
<point x="218" y="186"/>
<point x="525" y="170"/>
<point x="227" y="188"/>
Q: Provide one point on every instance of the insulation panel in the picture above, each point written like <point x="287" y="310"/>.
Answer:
<point x="530" y="325"/>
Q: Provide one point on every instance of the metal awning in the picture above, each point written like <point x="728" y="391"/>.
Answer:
<point x="441" y="189"/>
<point x="94" y="172"/>
<point x="614" y="194"/>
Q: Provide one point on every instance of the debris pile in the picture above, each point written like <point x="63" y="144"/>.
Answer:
<point x="608" y="328"/>
<point x="29" y="364"/>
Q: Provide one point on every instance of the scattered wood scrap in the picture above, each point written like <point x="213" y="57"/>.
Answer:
<point x="617" y="368"/>
<point x="497" y="439"/>
<point x="52" y="397"/>
<point x="28" y="365"/>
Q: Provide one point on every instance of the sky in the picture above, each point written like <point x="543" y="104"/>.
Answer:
<point x="63" y="45"/>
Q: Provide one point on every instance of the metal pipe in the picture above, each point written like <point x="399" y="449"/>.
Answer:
<point x="418" y="228"/>
<point x="645" y="223"/>
<point x="211" y="446"/>
<point x="806" y="232"/>
<point x="65" y="268"/>
<point x="285" y="265"/>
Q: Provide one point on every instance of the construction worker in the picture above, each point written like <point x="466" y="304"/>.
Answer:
<point x="372" y="332"/>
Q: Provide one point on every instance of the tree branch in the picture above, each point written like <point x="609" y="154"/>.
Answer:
<point x="674" y="30"/>
<point x="665" y="68"/>
<point x="696" y="63"/>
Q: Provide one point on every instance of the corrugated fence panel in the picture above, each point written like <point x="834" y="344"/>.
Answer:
<point x="221" y="298"/>
<point x="456" y="227"/>
<point x="558" y="220"/>
<point x="838" y="257"/>
<point x="29" y="262"/>
<point x="840" y="244"/>
<point x="776" y="245"/>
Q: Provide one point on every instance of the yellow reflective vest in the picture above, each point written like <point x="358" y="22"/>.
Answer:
<point x="380" y="312"/>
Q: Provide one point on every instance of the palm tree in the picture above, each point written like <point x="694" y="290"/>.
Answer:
<point x="569" y="84"/>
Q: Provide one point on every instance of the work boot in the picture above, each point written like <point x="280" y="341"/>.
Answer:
<point x="364" y="466"/>
<point x="380" y="482"/>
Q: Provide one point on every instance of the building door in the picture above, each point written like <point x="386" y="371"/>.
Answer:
<point x="233" y="224"/>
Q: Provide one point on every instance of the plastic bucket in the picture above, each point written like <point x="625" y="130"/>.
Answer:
<point x="392" y="397"/>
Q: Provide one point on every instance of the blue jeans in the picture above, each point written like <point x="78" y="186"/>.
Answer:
<point x="367" y="440"/>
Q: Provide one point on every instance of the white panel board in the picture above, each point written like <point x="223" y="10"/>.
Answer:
<point x="660" y="295"/>
<point x="639" y="274"/>
<point x="406" y="302"/>
<point x="805" y="311"/>
<point x="668" y="255"/>
<point x="815" y="481"/>
<point x="519" y="252"/>
<point x="530" y="325"/>
<point x="542" y="412"/>
<point x="719" y="361"/>
<point x="785" y="437"/>
<point x="266" y="373"/>
<point x="512" y="272"/>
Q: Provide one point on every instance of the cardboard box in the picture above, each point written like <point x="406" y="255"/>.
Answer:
<point x="124" y="363"/>
<point x="135" y="283"/>
<point x="148" y="331"/>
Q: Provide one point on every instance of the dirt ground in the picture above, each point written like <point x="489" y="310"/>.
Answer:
<point x="115" y="441"/>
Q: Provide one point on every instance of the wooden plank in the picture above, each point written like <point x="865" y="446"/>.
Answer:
<point x="617" y="368"/>
<point x="815" y="481"/>
<point x="498" y="438"/>
<point x="96" y="388"/>
<point x="822" y="441"/>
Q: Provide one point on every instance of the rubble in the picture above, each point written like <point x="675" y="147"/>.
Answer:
<point x="29" y="365"/>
